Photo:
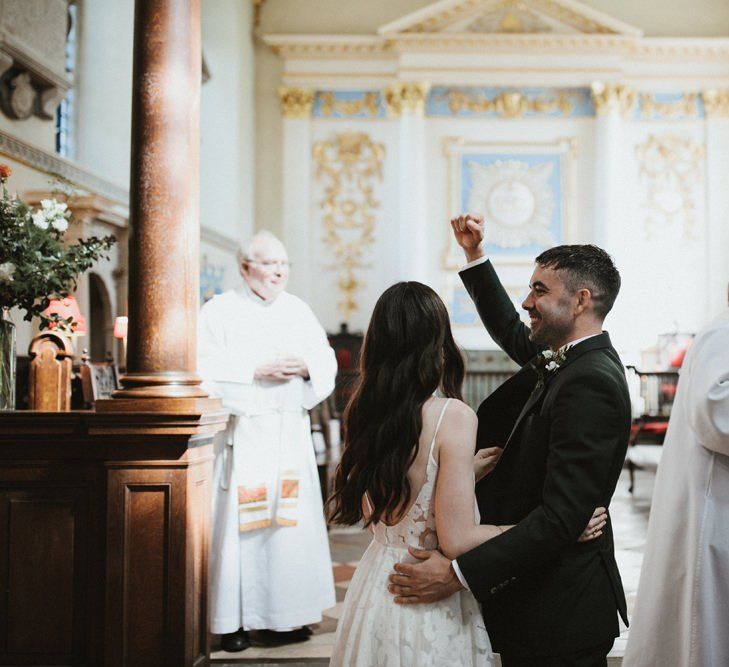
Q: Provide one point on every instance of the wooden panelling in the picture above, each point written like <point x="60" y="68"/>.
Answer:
<point x="198" y="519"/>
<point x="146" y="580"/>
<point x="43" y="570"/>
<point x="103" y="540"/>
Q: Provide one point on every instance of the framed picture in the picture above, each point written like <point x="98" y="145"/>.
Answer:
<point x="524" y="191"/>
<point x="98" y="380"/>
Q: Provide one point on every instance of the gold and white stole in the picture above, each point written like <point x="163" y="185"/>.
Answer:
<point x="254" y="510"/>
<point x="287" y="508"/>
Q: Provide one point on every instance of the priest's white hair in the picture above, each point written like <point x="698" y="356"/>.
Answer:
<point x="248" y="247"/>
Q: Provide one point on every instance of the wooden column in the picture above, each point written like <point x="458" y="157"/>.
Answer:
<point x="164" y="201"/>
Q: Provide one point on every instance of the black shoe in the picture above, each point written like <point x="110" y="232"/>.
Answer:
<point x="235" y="641"/>
<point x="275" y="638"/>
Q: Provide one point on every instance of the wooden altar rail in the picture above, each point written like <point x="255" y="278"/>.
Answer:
<point x="103" y="537"/>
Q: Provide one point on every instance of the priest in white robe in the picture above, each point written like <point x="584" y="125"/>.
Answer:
<point x="263" y="352"/>
<point x="681" y="616"/>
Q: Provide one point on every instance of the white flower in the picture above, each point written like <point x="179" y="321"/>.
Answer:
<point x="548" y="354"/>
<point x="60" y="224"/>
<point x="39" y="220"/>
<point x="6" y="272"/>
<point x="47" y="203"/>
<point x="552" y="366"/>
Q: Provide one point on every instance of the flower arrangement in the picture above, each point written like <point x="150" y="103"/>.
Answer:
<point x="37" y="264"/>
<point x="546" y="363"/>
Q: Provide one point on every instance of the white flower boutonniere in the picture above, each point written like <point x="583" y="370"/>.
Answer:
<point x="546" y="363"/>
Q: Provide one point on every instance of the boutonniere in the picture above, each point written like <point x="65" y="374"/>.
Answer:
<point x="547" y="363"/>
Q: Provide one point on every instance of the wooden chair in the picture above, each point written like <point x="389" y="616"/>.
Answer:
<point x="98" y="379"/>
<point x="51" y="362"/>
<point x="325" y="428"/>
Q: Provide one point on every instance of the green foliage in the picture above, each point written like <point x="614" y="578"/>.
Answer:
<point x="36" y="262"/>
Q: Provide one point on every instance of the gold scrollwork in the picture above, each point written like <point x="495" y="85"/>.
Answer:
<point x="684" y="107"/>
<point x="670" y="166"/>
<point x="348" y="164"/>
<point x="330" y="105"/>
<point x="554" y="10"/>
<point x="508" y="104"/>
<point x="257" y="7"/>
<point x="612" y="98"/>
<point x="716" y="103"/>
<point x="406" y="98"/>
<point x="296" y="102"/>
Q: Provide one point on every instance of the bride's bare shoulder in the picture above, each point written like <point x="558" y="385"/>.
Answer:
<point x="459" y="409"/>
<point x="459" y="416"/>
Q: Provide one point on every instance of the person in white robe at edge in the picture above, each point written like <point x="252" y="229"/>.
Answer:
<point x="681" y="616"/>
<point x="264" y="353"/>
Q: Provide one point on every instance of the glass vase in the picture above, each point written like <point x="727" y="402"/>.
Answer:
<point x="7" y="364"/>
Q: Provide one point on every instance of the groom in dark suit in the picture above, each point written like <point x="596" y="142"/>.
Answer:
<point x="563" y="422"/>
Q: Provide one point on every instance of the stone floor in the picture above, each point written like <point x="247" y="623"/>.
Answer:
<point x="630" y="519"/>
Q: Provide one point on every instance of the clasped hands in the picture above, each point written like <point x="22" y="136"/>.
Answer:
<point x="286" y="367"/>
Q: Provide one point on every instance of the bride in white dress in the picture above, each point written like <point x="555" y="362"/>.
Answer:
<point x="407" y="472"/>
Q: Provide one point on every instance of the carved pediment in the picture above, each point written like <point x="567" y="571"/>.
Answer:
<point x="565" y="17"/>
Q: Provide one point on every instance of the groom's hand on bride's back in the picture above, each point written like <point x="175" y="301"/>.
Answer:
<point x="430" y="580"/>
<point x="469" y="230"/>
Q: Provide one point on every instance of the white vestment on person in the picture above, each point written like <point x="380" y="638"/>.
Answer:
<point x="681" y="615"/>
<point x="270" y="561"/>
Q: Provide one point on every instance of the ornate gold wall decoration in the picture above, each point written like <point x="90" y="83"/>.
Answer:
<point x="716" y="103"/>
<point x="508" y="104"/>
<point x="257" y="7"/>
<point x="573" y="18"/>
<point x="330" y="105"/>
<point x="439" y="21"/>
<point x="684" y="107"/>
<point x="406" y="98"/>
<point x="348" y="165"/>
<point x="670" y="166"/>
<point x="612" y="98"/>
<point x="296" y="102"/>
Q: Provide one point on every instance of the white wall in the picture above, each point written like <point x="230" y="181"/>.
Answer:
<point x="104" y="88"/>
<point x="657" y="18"/>
<point x="226" y="125"/>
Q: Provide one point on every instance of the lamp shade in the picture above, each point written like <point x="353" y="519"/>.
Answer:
<point x="121" y="324"/>
<point x="65" y="308"/>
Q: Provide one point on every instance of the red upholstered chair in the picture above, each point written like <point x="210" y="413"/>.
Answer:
<point x="658" y="390"/>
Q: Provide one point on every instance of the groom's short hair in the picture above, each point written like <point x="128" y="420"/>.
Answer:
<point x="585" y="266"/>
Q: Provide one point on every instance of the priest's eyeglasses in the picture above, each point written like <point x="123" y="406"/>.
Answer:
<point x="271" y="263"/>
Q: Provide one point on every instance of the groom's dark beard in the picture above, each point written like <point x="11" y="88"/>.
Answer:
<point x="551" y="330"/>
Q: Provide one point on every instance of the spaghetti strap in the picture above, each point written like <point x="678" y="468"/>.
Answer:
<point x="437" y="426"/>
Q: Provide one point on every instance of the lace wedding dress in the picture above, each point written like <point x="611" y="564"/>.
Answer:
<point x="375" y="632"/>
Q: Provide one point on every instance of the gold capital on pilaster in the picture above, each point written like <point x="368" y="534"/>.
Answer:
<point x="296" y="102"/>
<point x="611" y="98"/>
<point x="716" y="103"/>
<point x="406" y="98"/>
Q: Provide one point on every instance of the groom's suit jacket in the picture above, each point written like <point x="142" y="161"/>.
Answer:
<point x="542" y="592"/>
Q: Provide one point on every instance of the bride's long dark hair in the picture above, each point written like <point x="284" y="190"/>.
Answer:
<point x="408" y="353"/>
